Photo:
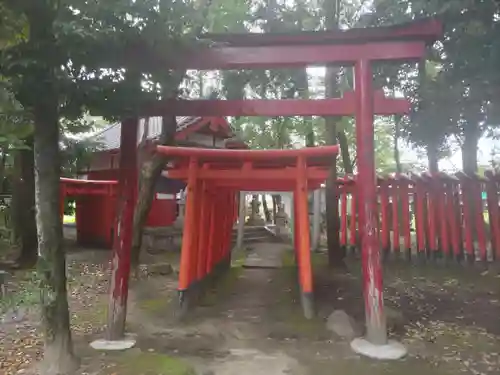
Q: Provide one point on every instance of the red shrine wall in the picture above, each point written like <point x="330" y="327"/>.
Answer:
<point x="104" y="166"/>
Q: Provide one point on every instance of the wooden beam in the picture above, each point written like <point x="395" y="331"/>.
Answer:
<point x="212" y="58"/>
<point x="270" y="108"/>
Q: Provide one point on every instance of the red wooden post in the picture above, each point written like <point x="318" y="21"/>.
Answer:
<point x="185" y="275"/>
<point x="431" y="213"/>
<point x="204" y="228"/>
<point x="343" y="214"/>
<point x="477" y="188"/>
<point x="354" y="215"/>
<point x="211" y="233"/>
<point x="296" y="235"/>
<point x="467" y="219"/>
<point x="453" y="219"/>
<point x="493" y="212"/>
<point x="122" y="242"/>
<point x="376" y="330"/>
<point x="404" y="190"/>
<point x="303" y="245"/>
<point x="384" y="212"/>
<point x="419" y="199"/>
<point x="442" y="198"/>
<point x="396" y="242"/>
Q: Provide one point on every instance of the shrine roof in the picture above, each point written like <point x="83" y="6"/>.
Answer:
<point x="320" y="156"/>
<point x="427" y="29"/>
<point x="109" y="138"/>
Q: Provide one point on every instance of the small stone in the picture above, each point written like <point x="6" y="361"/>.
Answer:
<point x="340" y="323"/>
<point x="163" y="269"/>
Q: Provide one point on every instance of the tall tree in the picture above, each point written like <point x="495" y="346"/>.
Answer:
<point x="170" y="82"/>
<point x="335" y="253"/>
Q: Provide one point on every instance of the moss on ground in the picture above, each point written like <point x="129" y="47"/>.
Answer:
<point x="221" y="287"/>
<point x="150" y="364"/>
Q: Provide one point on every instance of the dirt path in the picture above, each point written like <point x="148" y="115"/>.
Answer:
<point x="251" y="323"/>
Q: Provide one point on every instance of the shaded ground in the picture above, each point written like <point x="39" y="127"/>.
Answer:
<point x="252" y="323"/>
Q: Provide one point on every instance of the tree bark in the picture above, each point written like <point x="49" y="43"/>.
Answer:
<point x="267" y="213"/>
<point x="58" y="357"/>
<point x="397" y="159"/>
<point x="23" y="206"/>
<point x="275" y="208"/>
<point x="336" y="255"/>
<point x="432" y="156"/>
<point x="150" y="173"/>
<point x="469" y="150"/>
<point x="152" y="169"/>
<point x="344" y="152"/>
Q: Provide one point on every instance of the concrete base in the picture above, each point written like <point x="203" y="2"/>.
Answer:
<point x="392" y="350"/>
<point x="127" y="342"/>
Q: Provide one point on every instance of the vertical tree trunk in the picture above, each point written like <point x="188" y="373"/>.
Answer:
<point x="335" y="253"/>
<point x="344" y="152"/>
<point x="23" y="206"/>
<point x="470" y="166"/>
<point x="151" y="170"/>
<point x="397" y="159"/>
<point x="58" y="356"/>
<point x="469" y="150"/>
<point x="150" y="173"/>
<point x="51" y="265"/>
<point x="275" y="208"/>
<point x="433" y="160"/>
<point x="267" y="213"/>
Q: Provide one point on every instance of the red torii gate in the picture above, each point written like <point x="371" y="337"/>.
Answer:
<point x="214" y="177"/>
<point x="358" y="47"/>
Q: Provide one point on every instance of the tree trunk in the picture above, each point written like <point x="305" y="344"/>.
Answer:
<point x="470" y="166"/>
<point x="344" y="152"/>
<point x="432" y="156"/>
<point x="23" y="206"/>
<point x="469" y="151"/>
<point x="150" y="173"/>
<point x="397" y="159"/>
<point x="275" y="208"/>
<point x="58" y="356"/>
<point x="151" y="170"/>
<point x="335" y="253"/>
<point x="267" y="213"/>
<point x="254" y="214"/>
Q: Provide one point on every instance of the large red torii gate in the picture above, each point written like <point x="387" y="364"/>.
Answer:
<point x="358" y="47"/>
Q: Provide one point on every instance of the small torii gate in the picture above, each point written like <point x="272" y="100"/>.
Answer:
<point x="214" y="179"/>
<point x="355" y="47"/>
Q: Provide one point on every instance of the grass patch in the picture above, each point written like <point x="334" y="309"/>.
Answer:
<point x="23" y="293"/>
<point x="156" y="305"/>
<point x="221" y="287"/>
<point x="151" y="364"/>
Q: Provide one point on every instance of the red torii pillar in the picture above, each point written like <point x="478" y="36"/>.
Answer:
<point x="126" y="192"/>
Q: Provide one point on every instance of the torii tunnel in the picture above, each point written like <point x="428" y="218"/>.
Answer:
<point x="357" y="48"/>
<point x="214" y="179"/>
